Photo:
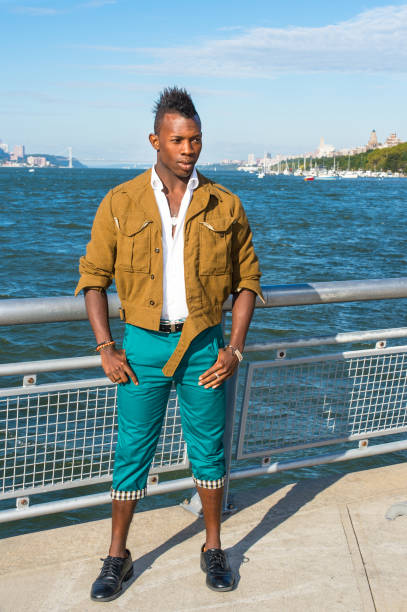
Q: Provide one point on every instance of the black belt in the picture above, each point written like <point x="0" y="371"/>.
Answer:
<point x="171" y="327"/>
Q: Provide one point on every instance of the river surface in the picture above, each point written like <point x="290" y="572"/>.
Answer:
<point x="303" y="232"/>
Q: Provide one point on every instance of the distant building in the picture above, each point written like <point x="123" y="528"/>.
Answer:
<point x="230" y="162"/>
<point x="18" y="151"/>
<point x="38" y="161"/>
<point x="392" y="140"/>
<point x="324" y="149"/>
<point x="251" y="160"/>
<point x="372" y="144"/>
<point x="3" y="146"/>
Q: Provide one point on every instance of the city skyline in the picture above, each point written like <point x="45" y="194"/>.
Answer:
<point x="264" y="77"/>
<point x="19" y="154"/>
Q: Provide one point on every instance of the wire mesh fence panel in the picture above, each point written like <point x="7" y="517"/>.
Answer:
<point x="52" y="438"/>
<point x="310" y="401"/>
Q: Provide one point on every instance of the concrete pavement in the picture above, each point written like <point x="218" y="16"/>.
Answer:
<point x="319" y="544"/>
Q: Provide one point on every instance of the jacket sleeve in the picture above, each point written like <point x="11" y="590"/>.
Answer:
<point x="246" y="270"/>
<point x="96" y="268"/>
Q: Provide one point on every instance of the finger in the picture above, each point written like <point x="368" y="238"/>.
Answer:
<point x="115" y="378"/>
<point x="223" y="374"/>
<point x="212" y="376"/>
<point x="214" y="367"/>
<point x="215" y="383"/>
<point x="208" y="375"/>
<point x="127" y="369"/>
<point x="215" y="379"/>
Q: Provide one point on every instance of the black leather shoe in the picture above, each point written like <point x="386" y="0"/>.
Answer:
<point x="219" y="576"/>
<point x="115" y="571"/>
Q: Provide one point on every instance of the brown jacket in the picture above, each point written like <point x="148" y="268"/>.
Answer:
<point x="126" y="244"/>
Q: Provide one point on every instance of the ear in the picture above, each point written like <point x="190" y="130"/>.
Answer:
<point x="155" y="141"/>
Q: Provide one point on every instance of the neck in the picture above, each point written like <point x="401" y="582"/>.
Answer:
<point x="170" y="180"/>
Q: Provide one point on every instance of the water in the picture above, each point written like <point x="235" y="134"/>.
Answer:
<point x="303" y="232"/>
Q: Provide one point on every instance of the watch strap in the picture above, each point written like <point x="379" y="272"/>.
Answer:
<point x="235" y="351"/>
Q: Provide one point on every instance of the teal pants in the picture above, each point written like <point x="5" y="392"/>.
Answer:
<point x="141" y="409"/>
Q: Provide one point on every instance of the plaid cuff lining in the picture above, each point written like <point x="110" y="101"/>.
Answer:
<point x="210" y="484"/>
<point x="127" y="495"/>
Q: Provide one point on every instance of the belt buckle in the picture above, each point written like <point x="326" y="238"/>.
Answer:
<point x="172" y="327"/>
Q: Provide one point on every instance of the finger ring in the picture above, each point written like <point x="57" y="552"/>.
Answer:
<point x="217" y="375"/>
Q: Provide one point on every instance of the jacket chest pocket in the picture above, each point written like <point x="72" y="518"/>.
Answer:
<point x="133" y="244"/>
<point x="215" y="246"/>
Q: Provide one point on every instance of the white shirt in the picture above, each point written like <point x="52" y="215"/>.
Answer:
<point x="174" y="298"/>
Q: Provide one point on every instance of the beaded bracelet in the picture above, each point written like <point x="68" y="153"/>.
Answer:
<point x="104" y="344"/>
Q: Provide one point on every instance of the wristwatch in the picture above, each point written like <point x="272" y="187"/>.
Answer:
<point x="235" y="351"/>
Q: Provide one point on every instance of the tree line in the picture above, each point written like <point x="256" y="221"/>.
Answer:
<point x="377" y="160"/>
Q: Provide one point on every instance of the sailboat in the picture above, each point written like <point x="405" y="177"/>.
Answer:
<point x="310" y="175"/>
<point x="261" y="173"/>
<point x="329" y="175"/>
<point x="286" y="171"/>
<point x="349" y="174"/>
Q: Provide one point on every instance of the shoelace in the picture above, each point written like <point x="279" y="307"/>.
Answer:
<point x="112" y="566"/>
<point x="215" y="558"/>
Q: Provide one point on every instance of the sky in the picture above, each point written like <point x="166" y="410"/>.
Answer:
<point x="264" y="75"/>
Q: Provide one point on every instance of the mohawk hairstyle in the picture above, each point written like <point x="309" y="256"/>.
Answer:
<point x="173" y="100"/>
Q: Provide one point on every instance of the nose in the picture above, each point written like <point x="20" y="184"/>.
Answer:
<point x="187" y="149"/>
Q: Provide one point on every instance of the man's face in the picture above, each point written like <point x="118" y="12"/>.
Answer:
<point x="178" y="144"/>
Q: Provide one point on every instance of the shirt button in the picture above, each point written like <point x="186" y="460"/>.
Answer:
<point x="152" y="302"/>
<point x="152" y="277"/>
<point x="156" y="250"/>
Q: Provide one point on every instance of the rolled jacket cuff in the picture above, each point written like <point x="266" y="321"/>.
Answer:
<point x="127" y="495"/>
<point x="89" y="280"/>
<point x="210" y="484"/>
<point x="252" y="285"/>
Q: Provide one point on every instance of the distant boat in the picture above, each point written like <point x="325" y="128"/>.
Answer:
<point x="31" y="170"/>
<point x="260" y="175"/>
<point x="350" y="174"/>
<point x="327" y="176"/>
<point x="309" y="178"/>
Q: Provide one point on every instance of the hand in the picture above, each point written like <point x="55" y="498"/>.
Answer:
<point x="223" y="368"/>
<point x="115" y="365"/>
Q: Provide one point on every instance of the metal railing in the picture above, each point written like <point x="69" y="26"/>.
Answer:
<point x="62" y="435"/>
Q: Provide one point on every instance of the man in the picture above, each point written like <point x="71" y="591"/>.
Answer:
<point x="177" y="245"/>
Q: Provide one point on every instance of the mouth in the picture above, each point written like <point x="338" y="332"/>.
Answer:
<point x="186" y="165"/>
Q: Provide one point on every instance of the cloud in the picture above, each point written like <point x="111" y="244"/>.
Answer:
<point x="373" y="41"/>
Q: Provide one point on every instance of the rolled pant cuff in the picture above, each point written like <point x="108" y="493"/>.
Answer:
<point x="210" y="484"/>
<point x="127" y="495"/>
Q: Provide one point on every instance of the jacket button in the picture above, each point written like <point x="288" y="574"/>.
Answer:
<point x="156" y="250"/>
<point x="152" y="277"/>
<point x="152" y="302"/>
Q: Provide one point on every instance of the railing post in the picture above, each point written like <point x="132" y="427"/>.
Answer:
<point x="231" y="393"/>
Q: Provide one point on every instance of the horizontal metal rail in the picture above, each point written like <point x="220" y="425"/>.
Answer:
<point x="57" y="309"/>
<point x="80" y="363"/>
<point x="341" y="338"/>
<point x="49" y="365"/>
<point x="181" y="484"/>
